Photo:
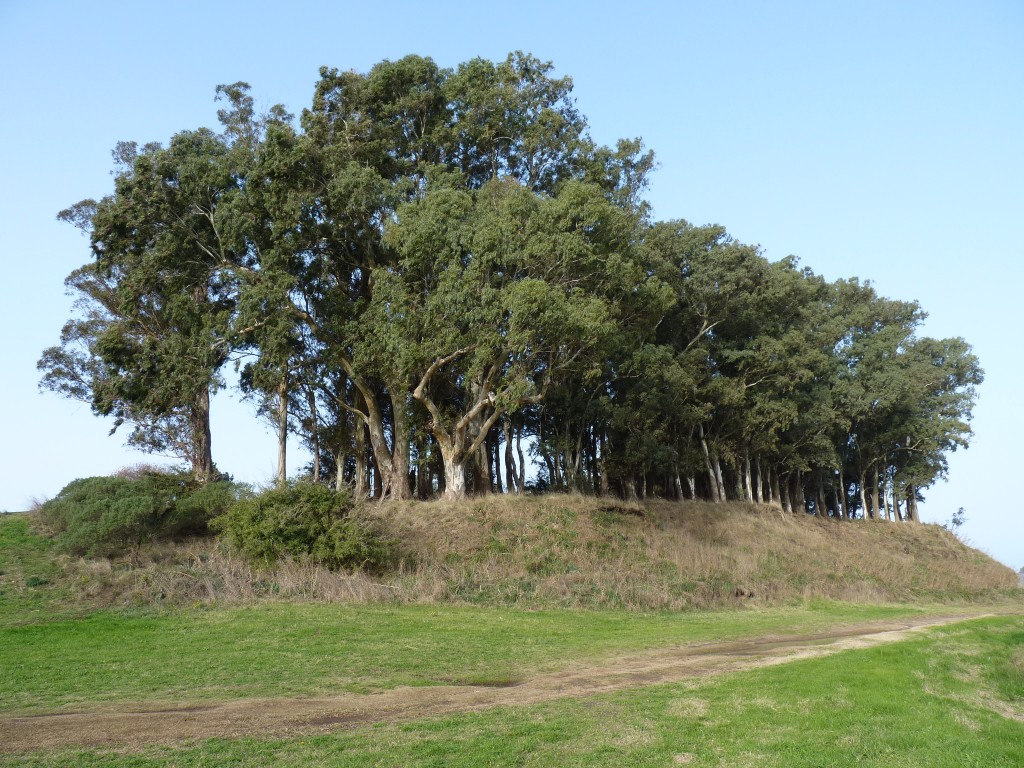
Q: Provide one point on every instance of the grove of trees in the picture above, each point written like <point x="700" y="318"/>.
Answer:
<point x="434" y="276"/>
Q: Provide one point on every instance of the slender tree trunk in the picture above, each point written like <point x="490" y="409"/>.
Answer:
<point x="863" y="494"/>
<point x="758" y="490"/>
<point x="843" y="503"/>
<point x="716" y="490"/>
<point x="282" y="432"/>
<point x="202" y="452"/>
<point x="821" y="508"/>
<point x="339" y="469"/>
<point x="521" y="480"/>
<point x="748" y="485"/>
<point x="776" y="494"/>
<point x="875" y="504"/>
<point x="494" y="454"/>
<point x="314" y="432"/>
<point x="360" y="484"/>
<point x="784" y="487"/>
<point x="602" y="466"/>
<point x="912" y="504"/>
<point x="510" y="463"/>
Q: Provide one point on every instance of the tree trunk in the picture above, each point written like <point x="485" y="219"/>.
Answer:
<point x="399" y="465"/>
<point x="494" y="454"/>
<point x="510" y="463"/>
<point x="821" y="507"/>
<point x="282" y="432"/>
<point x="875" y="504"/>
<point x="521" y="480"/>
<point x="455" y="480"/>
<point x="339" y="469"/>
<point x="863" y="494"/>
<point x="912" y="504"/>
<point x="758" y="489"/>
<point x="776" y="495"/>
<point x="202" y="452"/>
<point x="482" y="476"/>
<point x="784" y="489"/>
<point x="716" y="489"/>
<point x="843" y="503"/>
<point x="360" y="484"/>
<point x="748" y="486"/>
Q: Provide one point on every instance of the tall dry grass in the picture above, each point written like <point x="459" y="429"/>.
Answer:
<point x="574" y="551"/>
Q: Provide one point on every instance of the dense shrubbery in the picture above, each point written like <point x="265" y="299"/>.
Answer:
<point x="105" y="516"/>
<point x="304" y="521"/>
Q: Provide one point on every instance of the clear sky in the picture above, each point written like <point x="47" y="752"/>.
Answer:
<point x="873" y="139"/>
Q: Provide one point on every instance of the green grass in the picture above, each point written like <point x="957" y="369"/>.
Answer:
<point x="31" y="581"/>
<point x="922" y="702"/>
<point x="283" y="649"/>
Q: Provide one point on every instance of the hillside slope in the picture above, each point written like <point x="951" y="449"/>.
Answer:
<point x="553" y="551"/>
<point x="572" y="550"/>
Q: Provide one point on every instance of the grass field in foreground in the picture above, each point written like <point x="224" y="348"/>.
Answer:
<point x="954" y="697"/>
<point x="283" y="649"/>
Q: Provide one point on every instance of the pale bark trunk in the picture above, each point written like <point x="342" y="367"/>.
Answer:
<point x="691" y="481"/>
<point x="748" y="483"/>
<point x="863" y="494"/>
<point x="776" y="495"/>
<point x="719" y="479"/>
<point x="843" y="503"/>
<point x="282" y="432"/>
<point x="784" y="490"/>
<point x="454" y="477"/>
<point x="716" y="493"/>
<point x="494" y="455"/>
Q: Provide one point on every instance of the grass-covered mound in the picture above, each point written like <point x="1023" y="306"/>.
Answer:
<point x="534" y="552"/>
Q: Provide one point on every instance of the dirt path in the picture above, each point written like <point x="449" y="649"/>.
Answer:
<point x="130" y="726"/>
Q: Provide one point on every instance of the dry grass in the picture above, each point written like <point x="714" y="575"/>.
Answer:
<point x="574" y="551"/>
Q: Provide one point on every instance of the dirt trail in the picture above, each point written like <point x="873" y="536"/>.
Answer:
<point x="130" y="726"/>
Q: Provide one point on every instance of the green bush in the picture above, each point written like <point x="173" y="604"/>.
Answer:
<point x="305" y="521"/>
<point x="104" y="516"/>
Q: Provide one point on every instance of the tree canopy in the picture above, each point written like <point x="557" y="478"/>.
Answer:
<point x="433" y="264"/>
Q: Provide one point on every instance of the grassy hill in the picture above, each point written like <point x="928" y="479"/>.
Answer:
<point x="547" y="552"/>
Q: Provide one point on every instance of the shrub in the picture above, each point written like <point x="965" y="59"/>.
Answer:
<point x="305" y="521"/>
<point x="104" y="516"/>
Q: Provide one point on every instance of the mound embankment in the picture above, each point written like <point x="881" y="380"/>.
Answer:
<point x="575" y="551"/>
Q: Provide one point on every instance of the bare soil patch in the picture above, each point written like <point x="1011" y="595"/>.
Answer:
<point x="130" y="726"/>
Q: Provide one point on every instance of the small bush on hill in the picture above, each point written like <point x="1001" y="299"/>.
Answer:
<point x="105" y="516"/>
<point x="305" y="521"/>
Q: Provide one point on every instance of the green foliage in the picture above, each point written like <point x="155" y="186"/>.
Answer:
<point x="304" y="521"/>
<point x="104" y="516"/>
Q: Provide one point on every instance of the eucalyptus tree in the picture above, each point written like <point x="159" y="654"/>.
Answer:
<point x="158" y="309"/>
<point x="497" y="292"/>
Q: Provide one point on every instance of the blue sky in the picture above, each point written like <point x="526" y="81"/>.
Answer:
<point x="872" y="139"/>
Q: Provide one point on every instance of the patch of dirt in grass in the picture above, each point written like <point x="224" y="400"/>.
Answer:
<point x="128" y="726"/>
